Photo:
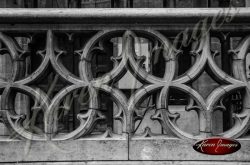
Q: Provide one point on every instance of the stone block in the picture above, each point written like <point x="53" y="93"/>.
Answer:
<point x="75" y="150"/>
<point x="180" y="150"/>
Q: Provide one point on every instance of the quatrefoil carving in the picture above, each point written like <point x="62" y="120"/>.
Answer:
<point x="128" y="60"/>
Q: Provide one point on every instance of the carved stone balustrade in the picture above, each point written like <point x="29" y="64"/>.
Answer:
<point x="122" y="84"/>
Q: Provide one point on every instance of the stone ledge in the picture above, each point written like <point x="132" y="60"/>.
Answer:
<point x="176" y="149"/>
<point x="77" y="150"/>
<point x="136" y="163"/>
<point x="120" y="15"/>
<point x="87" y="151"/>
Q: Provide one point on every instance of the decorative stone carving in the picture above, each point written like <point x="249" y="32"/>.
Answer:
<point x="127" y="61"/>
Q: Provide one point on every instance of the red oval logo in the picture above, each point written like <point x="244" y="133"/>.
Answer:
<point x="217" y="146"/>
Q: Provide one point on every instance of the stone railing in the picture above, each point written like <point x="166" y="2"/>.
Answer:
<point x="131" y="81"/>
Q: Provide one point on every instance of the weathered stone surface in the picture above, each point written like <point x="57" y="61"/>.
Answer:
<point x="139" y="163"/>
<point x="176" y="149"/>
<point x="132" y="15"/>
<point x="77" y="150"/>
<point x="87" y="150"/>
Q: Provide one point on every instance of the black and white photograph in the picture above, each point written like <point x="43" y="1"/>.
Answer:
<point x="125" y="82"/>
